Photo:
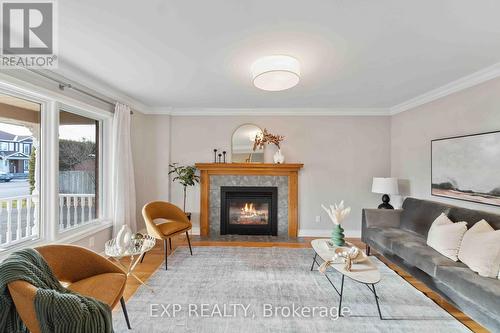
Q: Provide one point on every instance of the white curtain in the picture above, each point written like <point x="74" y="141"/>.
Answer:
<point x="123" y="186"/>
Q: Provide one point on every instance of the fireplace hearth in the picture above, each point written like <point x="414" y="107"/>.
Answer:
<point x="249" y="210"/>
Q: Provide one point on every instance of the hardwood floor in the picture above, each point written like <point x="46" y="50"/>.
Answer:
<point x="154" y="259"/>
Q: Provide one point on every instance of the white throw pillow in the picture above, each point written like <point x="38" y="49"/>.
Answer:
<point x="445" y="236"/>
<point x="480" y="249"/>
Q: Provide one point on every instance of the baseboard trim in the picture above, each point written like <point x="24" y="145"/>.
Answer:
<point x="327" y="233"/>
<point x="305" y="232"/>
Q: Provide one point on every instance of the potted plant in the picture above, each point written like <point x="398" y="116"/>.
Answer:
<point x="186" y="176"/>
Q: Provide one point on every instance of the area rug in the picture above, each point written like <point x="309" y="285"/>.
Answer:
<point x="241" y="289"/>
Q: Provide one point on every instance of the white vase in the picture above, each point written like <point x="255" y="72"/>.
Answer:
<point x="269" y="151"/>
<point x="123" y="238"/>
<point x="278" y="157"/>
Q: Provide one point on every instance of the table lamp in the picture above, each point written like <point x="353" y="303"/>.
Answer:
<point x="385" y="186"/>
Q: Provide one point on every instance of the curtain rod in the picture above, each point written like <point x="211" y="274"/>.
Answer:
<point x="63" y="85"/>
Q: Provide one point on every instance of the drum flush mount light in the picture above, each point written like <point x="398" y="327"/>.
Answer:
<point x="276" y="72"/>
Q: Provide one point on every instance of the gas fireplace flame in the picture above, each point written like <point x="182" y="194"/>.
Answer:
<point x="248" y="210"/>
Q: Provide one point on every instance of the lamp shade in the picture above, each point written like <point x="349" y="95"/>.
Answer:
<point x="276" y="72"/>
<point x="385" y="185"/>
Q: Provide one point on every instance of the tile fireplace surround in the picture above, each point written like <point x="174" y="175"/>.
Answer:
<point x="282" y="176"/>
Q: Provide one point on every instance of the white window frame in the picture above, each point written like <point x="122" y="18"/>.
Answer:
<point x="50" y="104"/>
<point x="104" y="164"/>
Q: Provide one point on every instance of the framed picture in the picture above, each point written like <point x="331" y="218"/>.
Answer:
<point x="467" y="168"/>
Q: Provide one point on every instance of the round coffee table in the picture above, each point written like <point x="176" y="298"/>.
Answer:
<point x="364" y="272"/>
<point x="112" y="250"/>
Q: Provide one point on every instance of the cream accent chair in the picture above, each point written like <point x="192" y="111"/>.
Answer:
<point x="78" y="269"/>
<point x="176" y="222"/>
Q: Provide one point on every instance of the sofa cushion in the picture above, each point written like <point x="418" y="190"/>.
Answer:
<point x="479" y="290"/>
<point x="445" y="236"/>
<point x="414" y="250"/>
<point x="480" y="249"/>
<point x="383" y="237"/>
<point x="418" y="215"/>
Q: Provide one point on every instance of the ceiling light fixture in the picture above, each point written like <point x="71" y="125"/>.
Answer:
<point x="276" y="72"/>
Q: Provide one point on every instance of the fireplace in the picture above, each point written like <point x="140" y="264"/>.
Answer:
<point x="249" y="210"/>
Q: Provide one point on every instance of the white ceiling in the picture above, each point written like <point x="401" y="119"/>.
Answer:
<point x="354" y="53"/>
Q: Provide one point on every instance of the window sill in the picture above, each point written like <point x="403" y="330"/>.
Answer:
<point x="71" y="236"/>
<point x="76" y="234"/>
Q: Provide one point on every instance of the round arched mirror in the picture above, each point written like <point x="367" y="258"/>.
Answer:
<point x="242" y="144"/>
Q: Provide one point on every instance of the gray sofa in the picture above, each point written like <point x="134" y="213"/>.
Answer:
<point x="400" y="235"/>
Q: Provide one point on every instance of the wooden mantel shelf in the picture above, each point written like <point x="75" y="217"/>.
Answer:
<point x="257" y="167"/>
<point x="290" y="170"/>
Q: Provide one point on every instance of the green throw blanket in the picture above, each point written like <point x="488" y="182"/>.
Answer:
<point x="58" y="309"/>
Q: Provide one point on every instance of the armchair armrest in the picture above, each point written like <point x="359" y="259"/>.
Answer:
<point x="382" y="218"/>
<point x="23" y="295"/>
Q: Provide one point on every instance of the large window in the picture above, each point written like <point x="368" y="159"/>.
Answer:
<point x="20" y="183"/>
<point x="78" y="169"/>
<point x="54" y="168"/>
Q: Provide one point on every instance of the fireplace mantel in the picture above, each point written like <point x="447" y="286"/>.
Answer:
<point x="257" y="169"/>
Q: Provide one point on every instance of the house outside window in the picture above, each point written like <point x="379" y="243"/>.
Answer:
<point x="27" y="149"/>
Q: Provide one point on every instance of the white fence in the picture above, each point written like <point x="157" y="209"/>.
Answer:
<point x="19" y="216"/>
<point x="75" y="210"/>
<point x="18" y="219"/>
<point x="76" y="181"/>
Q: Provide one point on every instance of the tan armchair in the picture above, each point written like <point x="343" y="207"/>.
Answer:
<point x="80" y="270"/>
<point x="175" y="223"/>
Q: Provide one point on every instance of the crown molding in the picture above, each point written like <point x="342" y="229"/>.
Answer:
<point x="463" y="83"/>
<point x="270" y="111"/>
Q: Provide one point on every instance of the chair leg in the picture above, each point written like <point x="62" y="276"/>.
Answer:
<point x="166" y="254"/>
<point x="124" y="308"/>
<point x="170" y="243"/>
<point x="142" y="258"/>
<point x="189" y="242"/>
<point x="367" y="249"/>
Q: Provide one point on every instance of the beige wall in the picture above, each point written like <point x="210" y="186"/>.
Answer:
<point x="150" y="149"/>
<point x="340" y="156"/>
<point x="474" y="110"/>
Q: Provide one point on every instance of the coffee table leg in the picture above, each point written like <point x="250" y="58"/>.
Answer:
<point x="376" y="301"/>
<point x="341" y="293"/>
<point x="314" y="260"/>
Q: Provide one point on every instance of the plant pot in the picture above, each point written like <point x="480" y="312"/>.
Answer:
<point x="278" y="157"/>
<point x="338" y="235"/>
<point x="269" y="151"/>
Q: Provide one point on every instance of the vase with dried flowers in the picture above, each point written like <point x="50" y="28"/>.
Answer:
<point x="337" y="214"/>
<point x="263" y="138"/>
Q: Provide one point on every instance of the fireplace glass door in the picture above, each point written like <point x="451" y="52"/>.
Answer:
<point x="249" y="210"/>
